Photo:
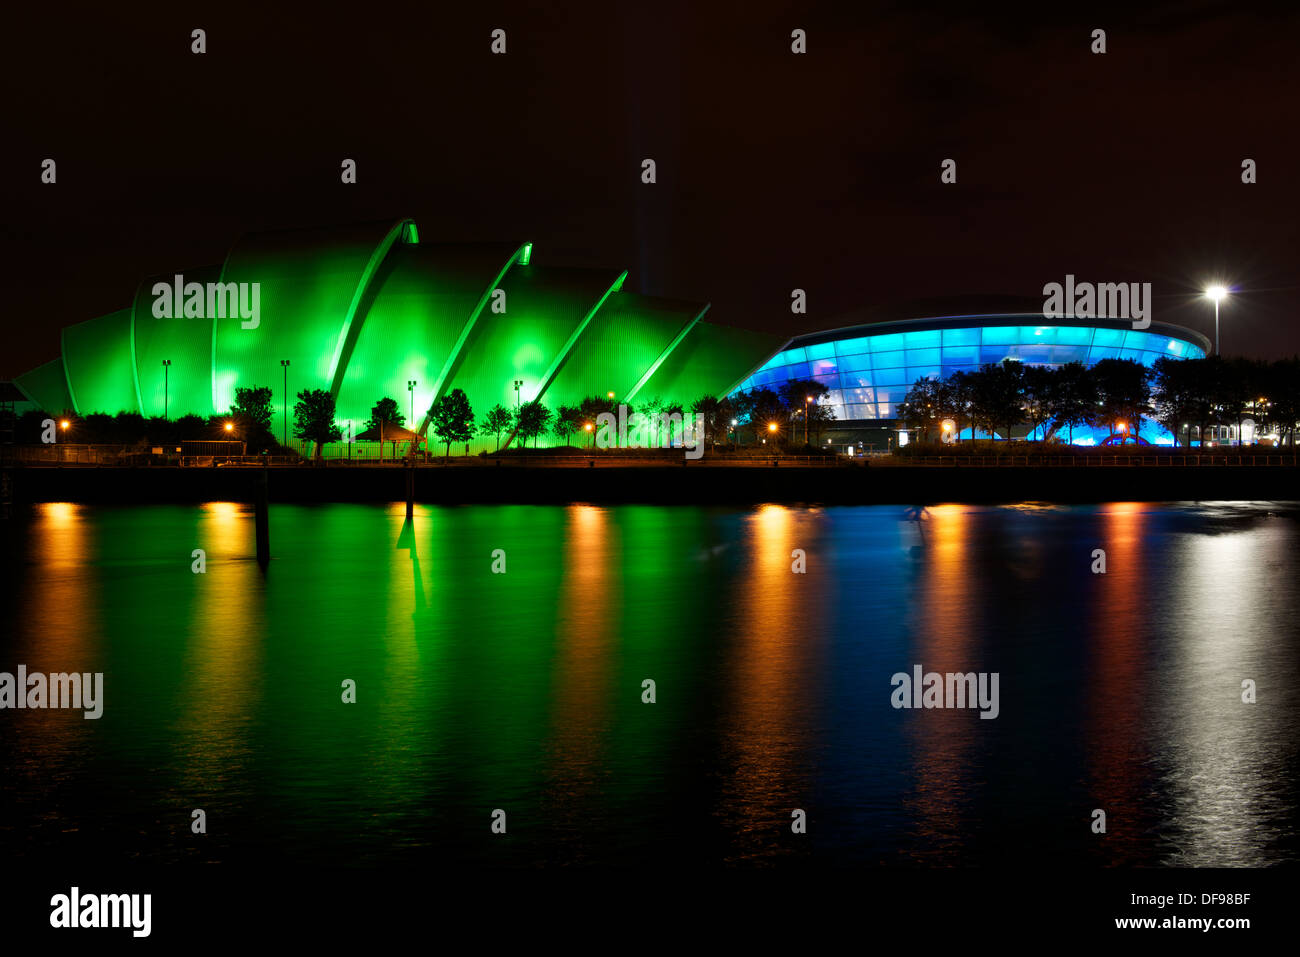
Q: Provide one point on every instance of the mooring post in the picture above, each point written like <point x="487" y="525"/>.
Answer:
<point x="410" y="491"/>
<point x="262" y="511"/>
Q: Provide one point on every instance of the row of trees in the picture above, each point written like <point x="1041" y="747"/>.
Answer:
<point x="1178" y="393"/>
<point x="790" y="413"/>
<point x="761" y="413"/>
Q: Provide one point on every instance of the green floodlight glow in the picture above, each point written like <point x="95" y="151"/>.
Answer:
<point x="362" y="310"/>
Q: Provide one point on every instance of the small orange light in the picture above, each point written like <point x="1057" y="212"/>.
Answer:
<point x="230" y="427"/>
<point x="771" y="426"/>
<point x="63" y="424"/>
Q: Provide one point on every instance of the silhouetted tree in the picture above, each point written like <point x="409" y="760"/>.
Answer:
<point x="1123" y="393"/>
<point x="313" y="418"/>
<point x="452" y="419"/>
<point x="497" y="420"/>
<point x="532" y="420"/>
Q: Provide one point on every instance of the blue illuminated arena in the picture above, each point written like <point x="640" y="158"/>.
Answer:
<point x="869" y="369"/>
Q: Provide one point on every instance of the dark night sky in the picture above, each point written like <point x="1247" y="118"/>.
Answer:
<point x="775" y="171"/>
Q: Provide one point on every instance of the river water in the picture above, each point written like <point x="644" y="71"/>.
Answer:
<point x="500" y="654"/>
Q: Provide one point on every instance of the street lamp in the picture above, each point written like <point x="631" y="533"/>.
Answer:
<point x="284" y="364"/>
<point x="410" y="387"/>
<point x="1218" y="294"/>
<point x="167" y="364"/>
<point x="806" y="406"/>
<point x="519" y="384"/>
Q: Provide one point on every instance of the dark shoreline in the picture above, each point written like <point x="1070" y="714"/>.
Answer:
<point x="713" y="485"/>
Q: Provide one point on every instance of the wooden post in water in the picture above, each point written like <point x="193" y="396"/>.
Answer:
<point x="262" y="510"/>
<point x="410" y="491"/>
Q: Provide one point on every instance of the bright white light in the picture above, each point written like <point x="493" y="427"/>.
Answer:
<point x="1216" y="293"/>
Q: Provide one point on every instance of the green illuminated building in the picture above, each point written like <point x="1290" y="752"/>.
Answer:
<point x="362" y="310"/>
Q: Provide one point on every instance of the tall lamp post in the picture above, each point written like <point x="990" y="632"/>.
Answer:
<point x="410" y="387"/>
<point x="1218" y="294"/>
<point x="167" y="365"/>
<point x="807" y="407"/>
<point x="519" y="384"/>
<point x="284" y="364"/>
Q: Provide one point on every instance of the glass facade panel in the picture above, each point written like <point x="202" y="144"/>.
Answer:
<point x="894" y="394"/>
<point x="1073" y="335"/>
<point x="823" y="350"/>
<point x="1039" y="354"/>
<point x="853" y="347"/>
<point x="857" y="395"/>
<point x="930" y="338"/>
<point x="1064" y="354"/>
<point x="961" y="355"/>
<point x="897" y="376"/>
<point x="888" y="360"/>
<point x="855" y="363"/>
<point x="922" y="357"/>
<point x="961" y="337"/>
<point x="887" y="343"/>
<point x="1108" y="337"/>
<point x="1000" y="335"/>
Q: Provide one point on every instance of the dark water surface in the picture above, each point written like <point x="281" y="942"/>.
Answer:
<point x="523" y="691"/>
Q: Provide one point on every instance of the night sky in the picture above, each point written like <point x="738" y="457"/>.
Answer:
<point x="775" y="171"/>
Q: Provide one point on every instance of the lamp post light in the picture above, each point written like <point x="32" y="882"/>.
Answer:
<point x="807" y="407"/>
<point x="410" y="387"/>
<point x="734" y="423"/>
<point x="519" y="384"/>
<point x="167" y="365"/>
<point x="1218" y="294"/>
<point x="284" y="364"/>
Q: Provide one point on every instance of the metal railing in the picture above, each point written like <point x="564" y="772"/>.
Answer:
<point x="1173" y="460"/>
